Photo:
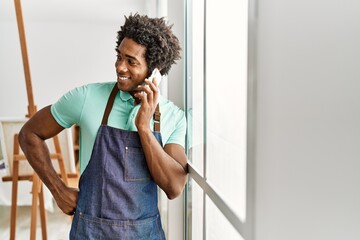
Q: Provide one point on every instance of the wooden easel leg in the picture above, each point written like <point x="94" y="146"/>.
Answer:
<point x="15" y="177"/>
<point x="42" y="212"/>
<point x="14" y="201"/>
<point x="61" y="160"/>
<point x="35" y="195"/>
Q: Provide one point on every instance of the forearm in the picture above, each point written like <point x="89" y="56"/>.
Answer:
<point x="167" y="172"/>
<point x="167" y="165"/>
<point x="37" y="154"/>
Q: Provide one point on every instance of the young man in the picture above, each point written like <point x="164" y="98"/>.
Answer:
<point x="124" y="155"/>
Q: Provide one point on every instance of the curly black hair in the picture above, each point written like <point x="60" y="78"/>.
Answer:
<point x="162" y="46"/>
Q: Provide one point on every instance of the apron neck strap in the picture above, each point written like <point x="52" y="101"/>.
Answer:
<point x="110" y="103"/>
<point x="156" y="118"/>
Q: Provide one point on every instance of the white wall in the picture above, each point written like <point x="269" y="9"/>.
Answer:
<point x="176" y="84"/>
<point x="308" y="120"/>
<point x="70" y="43"/>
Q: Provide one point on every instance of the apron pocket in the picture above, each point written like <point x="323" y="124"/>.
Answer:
<point x="136" y="168"/>
<point x="89" y="227"/>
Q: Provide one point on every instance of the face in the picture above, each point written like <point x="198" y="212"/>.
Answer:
<point x="131" y="67"/>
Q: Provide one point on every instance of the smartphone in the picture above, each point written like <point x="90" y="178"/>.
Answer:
<point x="156" y="74"/>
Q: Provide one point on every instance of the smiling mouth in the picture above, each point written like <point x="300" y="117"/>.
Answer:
<point x="122" y="78"/>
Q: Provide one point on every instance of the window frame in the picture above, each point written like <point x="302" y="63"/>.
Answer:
<point x="244" y="228"/>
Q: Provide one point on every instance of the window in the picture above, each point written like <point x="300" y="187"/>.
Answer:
<point x="217" y="83"/>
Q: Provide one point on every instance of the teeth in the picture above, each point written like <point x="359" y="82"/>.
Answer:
<point x="123" y="78"/>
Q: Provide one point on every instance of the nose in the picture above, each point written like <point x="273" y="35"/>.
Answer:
<point x="120" y="66"/>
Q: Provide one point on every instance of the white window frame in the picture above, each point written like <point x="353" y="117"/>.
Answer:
<point x="244" y="228"/>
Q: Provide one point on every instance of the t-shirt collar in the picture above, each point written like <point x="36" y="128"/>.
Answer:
<point x="125" y="96"/>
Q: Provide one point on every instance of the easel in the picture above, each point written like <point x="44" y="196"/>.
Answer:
<point x="37" y="186"/>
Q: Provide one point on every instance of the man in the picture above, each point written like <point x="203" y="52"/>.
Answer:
<point x="123" y="154"/>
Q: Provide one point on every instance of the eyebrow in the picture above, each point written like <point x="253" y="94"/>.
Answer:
<point x="127" y="55"/>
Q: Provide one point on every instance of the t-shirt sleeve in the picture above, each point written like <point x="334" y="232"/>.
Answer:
<point x="178" y="135"/>
<point x="67" y="110"/>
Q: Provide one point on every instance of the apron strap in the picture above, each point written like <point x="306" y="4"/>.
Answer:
<point x="111" y="101"/>
<point x="156" y="118"/>
<point x="109" y="104"/>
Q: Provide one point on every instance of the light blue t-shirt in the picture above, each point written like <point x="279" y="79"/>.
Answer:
<point x="85" y="107"/>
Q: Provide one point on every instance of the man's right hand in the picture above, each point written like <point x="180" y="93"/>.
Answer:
<point x="67" y="200"/>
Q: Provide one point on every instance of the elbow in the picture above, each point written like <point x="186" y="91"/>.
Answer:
<point x="22" y="137"/>
<point x="173" y="194"/>
<point x="175" y="190"/>
<point x="25" y="138"/>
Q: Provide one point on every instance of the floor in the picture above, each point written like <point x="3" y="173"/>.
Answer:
<point x="58" y="224"/>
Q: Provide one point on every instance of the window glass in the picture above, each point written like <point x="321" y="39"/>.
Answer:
<point x="216" y="93"/>
<point x="196" y="211"/>
<point x="226" y="100"/>
<point x="217" y="226"/>
<point x="195" y="86"/>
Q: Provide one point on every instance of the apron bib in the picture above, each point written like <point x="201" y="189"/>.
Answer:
<point x="117" y="196"/>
